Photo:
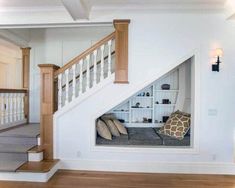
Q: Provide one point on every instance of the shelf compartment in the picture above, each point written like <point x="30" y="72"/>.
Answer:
<point x="165" y="105"/>
<point x="143" y="97"/>
<point x="144" y="108"/>
<point x="123" y="112"/>
<point x="171" y="90"/>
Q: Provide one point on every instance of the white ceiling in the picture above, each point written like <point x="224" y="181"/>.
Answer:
<point x="29" y="3"/>
<point x="108" y="3"/>
<point x="81" y="9"/>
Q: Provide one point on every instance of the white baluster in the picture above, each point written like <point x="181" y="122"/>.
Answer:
<point x="102" y="63"/>
<point x="109" y="57"/>
<point x="22" y="106"/>
<point x="81" y="77"/>
<point x="59" y="91"/>
<point x="6" y="108"/>
<point x="11" y="107"/>
<point x="74" y="82"/>
<point x="87" y="72"/>
<point x="95" y="68"/>
<point x="15" y="107"/>
<point x="67" y="86"/>
<point x="18" y="106"/>
<point x="2" y="108"/>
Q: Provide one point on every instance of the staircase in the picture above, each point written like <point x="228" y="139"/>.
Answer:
<point x="15" y="145"/>
<point x="27" y="148"/>
<point x="62" y="87"/>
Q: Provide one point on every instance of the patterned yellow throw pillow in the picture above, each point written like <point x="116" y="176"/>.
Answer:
<point x="176" y="126"/>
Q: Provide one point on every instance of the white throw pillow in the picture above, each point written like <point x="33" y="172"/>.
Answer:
<point x="112" y="127"/>
<point x="120" y="126"/>
<point x="103" y="130"/>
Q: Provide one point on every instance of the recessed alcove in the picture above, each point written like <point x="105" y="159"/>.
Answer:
<point x="149" y="110"/>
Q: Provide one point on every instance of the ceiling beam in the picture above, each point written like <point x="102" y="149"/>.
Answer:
<point x="78" y="9"/>
<point x="230" y="9"/>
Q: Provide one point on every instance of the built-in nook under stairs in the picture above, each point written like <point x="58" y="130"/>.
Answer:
<point x="20" y="150"/>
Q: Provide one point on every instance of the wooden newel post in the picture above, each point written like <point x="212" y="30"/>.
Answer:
<point x="47" y="108"/>
<point x="121" y="51"/>
<point x="25" y="78"/>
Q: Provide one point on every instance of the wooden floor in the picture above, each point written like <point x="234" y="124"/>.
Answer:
<point x="79" y="179"/>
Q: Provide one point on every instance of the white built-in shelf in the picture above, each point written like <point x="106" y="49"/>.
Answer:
<point x="167" y="105"/>
<point x="142" y="108"/>
<point x="143" y="97"/>
<point x="123" y="112"/>
<point x="155" y="111"/>
<point x="171" y="90"/>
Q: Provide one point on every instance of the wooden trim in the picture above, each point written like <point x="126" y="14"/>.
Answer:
<point x="85" y="53"/>
<point x="25" y="78"/>
<point x="47" y="108"/>
<point x="121" y="82"/>
<point x="38" y="167"/>
<point x="2" y="90"/>
<point x="121" y="49"/>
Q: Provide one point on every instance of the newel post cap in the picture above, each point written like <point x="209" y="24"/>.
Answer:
<point x="53" y="66"/>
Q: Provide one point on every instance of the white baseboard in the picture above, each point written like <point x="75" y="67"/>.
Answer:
<point x="29" y="176"/>
<point x="149" y="167"/>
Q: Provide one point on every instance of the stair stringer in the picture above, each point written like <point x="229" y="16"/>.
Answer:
<point x="80" y="116"/>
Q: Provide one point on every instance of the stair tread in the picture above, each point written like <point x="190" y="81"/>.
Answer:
<point x="27" y="131"/>
<point x="38" y="167"/>
<point x="36" y="149"/>
<point x="9" y="165"/>
<point x="15" y="148"/>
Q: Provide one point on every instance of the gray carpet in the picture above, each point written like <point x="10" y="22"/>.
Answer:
<point x="14" y="146"/>
<point x="29" y="130"/>
<point x="10" y="166"/>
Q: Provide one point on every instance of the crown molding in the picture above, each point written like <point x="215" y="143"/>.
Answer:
<point x="57" y="25"/>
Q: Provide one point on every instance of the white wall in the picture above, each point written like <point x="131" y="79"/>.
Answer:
<point x="158" y="42"/>
<point x="10" y="65"/>
<point x="57" y="46"/>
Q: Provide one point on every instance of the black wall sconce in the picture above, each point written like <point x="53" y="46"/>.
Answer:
<point x="218" y="54"/>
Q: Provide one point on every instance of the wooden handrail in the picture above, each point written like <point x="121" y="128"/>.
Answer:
<point x="84" y="54"/>
<point x="4" y="90"/>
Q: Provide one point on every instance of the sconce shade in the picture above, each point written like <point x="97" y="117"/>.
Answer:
<point x="218" y="52"/>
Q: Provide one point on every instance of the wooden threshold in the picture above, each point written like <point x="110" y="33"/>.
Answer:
<point x="38" y="167"/>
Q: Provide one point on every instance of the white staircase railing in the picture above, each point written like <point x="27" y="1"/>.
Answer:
<point x="86" y="71"/>
<point x="12" y="107"/>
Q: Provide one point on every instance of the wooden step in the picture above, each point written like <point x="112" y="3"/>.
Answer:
<point x="36" y="149"/>
<point x="38" y="167"/>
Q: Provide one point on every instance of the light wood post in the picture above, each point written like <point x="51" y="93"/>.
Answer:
<point x="121" y="51"/>
<point x="47" y="108"/>
<point x="25" y="78"/>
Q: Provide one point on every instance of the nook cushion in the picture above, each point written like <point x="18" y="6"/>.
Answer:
<point x="108" y="116"/>
<point x="182" y="113"/>
<point x="120" y="126"/>
<point x="112" y="127"/>
<point x="176" y="126"/>
<point x="103" y="130"/>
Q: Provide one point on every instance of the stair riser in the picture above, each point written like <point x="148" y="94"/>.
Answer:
<point x="18" y="140"/>
<point x="35" y="157"/>
<point x="13" y="156"/>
